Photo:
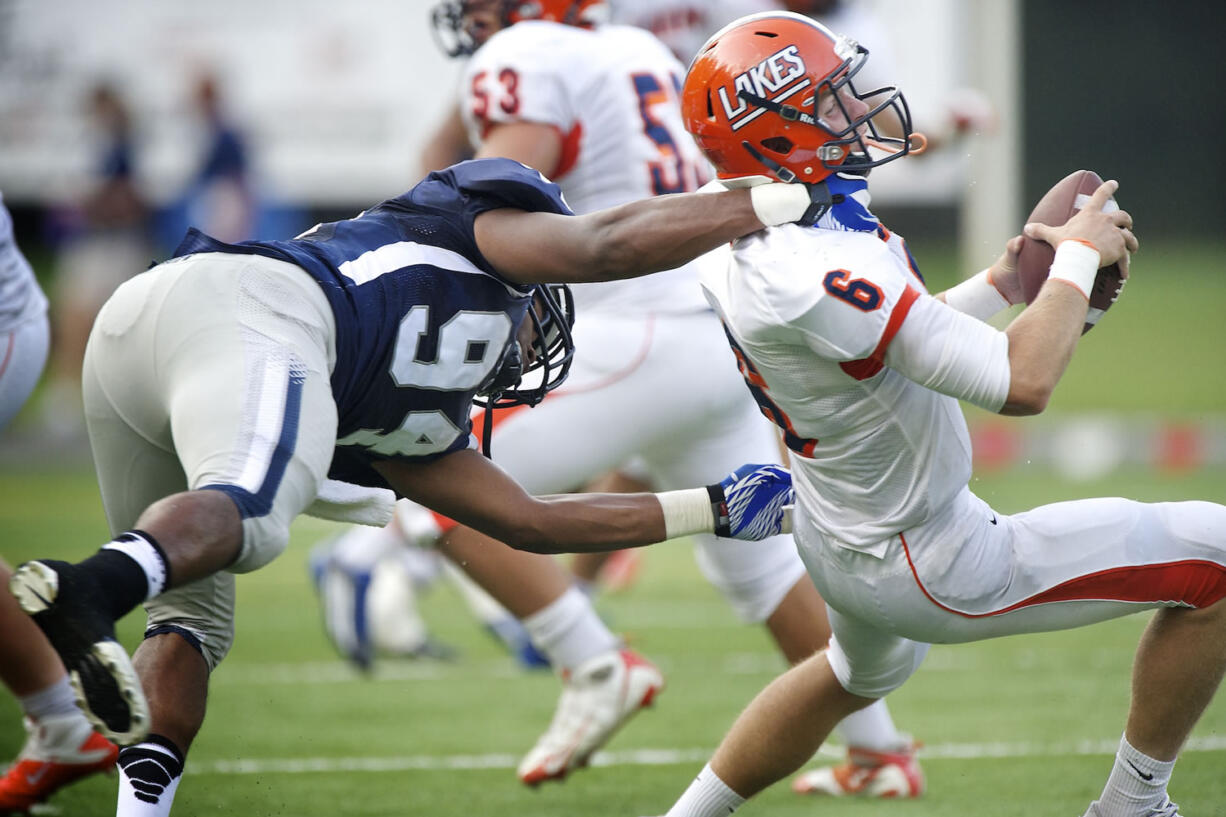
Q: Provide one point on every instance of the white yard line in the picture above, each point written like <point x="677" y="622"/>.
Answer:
<point x="645" y="757"/>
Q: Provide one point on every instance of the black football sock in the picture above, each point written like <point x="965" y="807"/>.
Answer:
<point x="126" y="572"/>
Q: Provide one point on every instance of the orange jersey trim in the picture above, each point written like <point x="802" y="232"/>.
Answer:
<point x="569" y="156"/>
<point x="1197" y="582"/>
<point x="868" y="367"/>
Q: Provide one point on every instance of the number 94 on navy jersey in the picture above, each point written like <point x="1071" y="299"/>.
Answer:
<point x="422" y="318"/>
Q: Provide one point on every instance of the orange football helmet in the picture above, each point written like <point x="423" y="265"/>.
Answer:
<point x="751" y="98"/>
<point x="457" y="38"/>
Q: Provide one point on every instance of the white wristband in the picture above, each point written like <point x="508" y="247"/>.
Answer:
<point x="686" y="512"/>
<point x="779" y="203"/>
<point x="977" y="296"/>
<point x="1076" y="263"/>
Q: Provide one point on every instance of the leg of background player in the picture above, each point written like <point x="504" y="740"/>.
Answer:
<point x="604" y="683"/>
<point x="61" y="745"/>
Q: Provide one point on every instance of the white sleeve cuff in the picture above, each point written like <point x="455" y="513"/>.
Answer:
<point x="977" y="296"/>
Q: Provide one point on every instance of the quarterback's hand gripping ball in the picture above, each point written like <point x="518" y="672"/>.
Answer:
<point x="753" y="502"/>
<point x="1056" y="207"/>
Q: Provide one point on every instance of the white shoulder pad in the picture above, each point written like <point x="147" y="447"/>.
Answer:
<point x="839" y="289"/>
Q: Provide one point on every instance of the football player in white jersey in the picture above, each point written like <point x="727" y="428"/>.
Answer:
<point x="842" y="344"/>
<point x="61" y="746"/>
<point x="24" y="331"/>
<point x="595" y="107"/>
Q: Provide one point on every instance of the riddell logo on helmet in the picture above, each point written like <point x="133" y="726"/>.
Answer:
<point x="766" y="79"/>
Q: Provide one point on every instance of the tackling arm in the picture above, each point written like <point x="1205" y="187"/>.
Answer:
<point x="475" y="492"/>
<point x="751" y="503"/>
<point x="621" y="242"/>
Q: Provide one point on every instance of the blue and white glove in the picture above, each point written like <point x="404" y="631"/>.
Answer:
<point x="753" y="502"/>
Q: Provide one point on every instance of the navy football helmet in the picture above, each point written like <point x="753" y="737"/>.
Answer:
<point x="552" y="312"/>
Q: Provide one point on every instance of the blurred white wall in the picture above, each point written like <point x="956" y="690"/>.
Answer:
<point x="336" y="98"/>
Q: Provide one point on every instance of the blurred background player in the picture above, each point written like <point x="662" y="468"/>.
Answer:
<point x="106" y="238"/>
<point x="220" y="199"/>
<point x="684" y="25"/>
<point x="60" y="746"/>
<point x="595" y="108"/>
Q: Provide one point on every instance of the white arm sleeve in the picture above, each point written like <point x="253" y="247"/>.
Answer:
<point x="955" y="354"/>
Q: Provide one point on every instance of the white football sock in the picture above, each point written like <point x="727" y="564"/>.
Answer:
<point x="568" y="631"/>
<point x="56" y="699"/>
<point x="1136" y="786"/>
<point x="149" y="775"/>
<point x="872" y="728"/>
<point x="707" y="796"/>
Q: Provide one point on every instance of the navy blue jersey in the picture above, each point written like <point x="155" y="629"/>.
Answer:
<point x="422" y="318"/>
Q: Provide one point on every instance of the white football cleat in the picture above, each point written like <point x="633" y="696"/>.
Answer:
<point x="597" y="698"/>
<point x="867" y="774"/>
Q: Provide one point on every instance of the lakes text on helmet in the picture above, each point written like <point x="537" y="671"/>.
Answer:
<point x="457" y="38"/>
<point x="751" y="98"/>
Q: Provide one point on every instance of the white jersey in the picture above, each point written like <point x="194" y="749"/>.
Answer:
<point x="611" y="94"/>
<point x="20" y="296"/>
<point x="813" y="312"/>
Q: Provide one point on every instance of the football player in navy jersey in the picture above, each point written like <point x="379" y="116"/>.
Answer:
<point x="236" y="386"/>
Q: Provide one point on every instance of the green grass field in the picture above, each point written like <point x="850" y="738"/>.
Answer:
<point x="1018" y="726"/>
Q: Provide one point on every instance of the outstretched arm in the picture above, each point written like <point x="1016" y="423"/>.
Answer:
<point x="632" y="239"/>
<point x="751" y="503"/>
<point x="475" y="492"/>
<point x="621" y="242"/>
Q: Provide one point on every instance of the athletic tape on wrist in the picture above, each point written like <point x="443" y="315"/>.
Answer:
<point x="1076" y="262"/>
<point x="977" y="296"/>
<point x="687" y="512"/>
<point x="779" y="203"/>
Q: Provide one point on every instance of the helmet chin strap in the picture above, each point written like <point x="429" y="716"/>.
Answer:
<point x="487" y="426"/>
<point x="789" y="113"/>
<point x="819" y="192"/>
<point x="780" y="172"/>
